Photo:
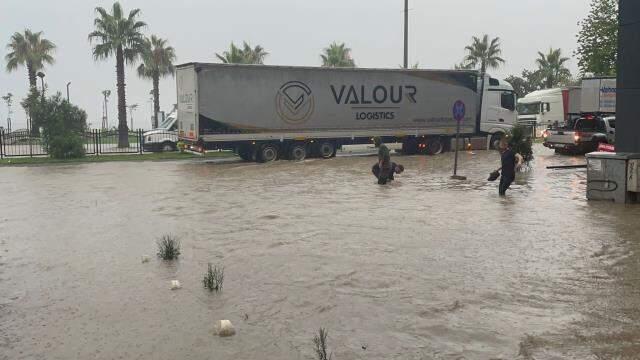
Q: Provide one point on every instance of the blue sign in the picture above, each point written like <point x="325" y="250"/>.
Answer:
<point x="459" y="110"/>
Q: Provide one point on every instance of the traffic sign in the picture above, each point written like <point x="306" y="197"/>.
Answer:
<point x="459" y="110"/>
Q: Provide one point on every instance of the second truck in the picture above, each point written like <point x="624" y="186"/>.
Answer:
<point x="265" y="113"/>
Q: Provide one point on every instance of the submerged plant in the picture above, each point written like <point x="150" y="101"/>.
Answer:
<point x="320" y="344"/>
<point x="168" y="247"/>
<point x="214" y="278"/>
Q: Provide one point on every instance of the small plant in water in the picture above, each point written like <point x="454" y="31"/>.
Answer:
<point x="213" y="278"/>
<point x="168" y="247"/>
<point x="320" y="344"/>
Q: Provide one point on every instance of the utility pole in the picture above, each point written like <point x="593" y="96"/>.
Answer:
<point x="105" y="113"/>
<point x="9" y="101"/>
<point x="69" y="83"/>
<point x="406" y="34"/>
<point x="132" y="108"/>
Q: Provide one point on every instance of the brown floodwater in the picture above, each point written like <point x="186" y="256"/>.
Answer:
<point x="425" y="268"/>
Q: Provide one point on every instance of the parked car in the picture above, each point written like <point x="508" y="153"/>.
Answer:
<point x="163" y="138"/>
<point x="586" y="134"/>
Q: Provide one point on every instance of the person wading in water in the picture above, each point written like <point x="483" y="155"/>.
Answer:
<point x="508" y="160"/>
<point x="384" y="160"/>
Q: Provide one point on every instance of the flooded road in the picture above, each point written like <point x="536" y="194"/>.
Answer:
<point x="425" y="268"/>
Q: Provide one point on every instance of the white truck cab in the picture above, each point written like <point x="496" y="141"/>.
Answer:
<point x="165" y="137"/>
<point x="499" y="113"/>
<point x="542" y="108"/>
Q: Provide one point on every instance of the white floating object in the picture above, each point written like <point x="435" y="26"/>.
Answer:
<point x="145" y="259"/>
<point x="225" y="328"/>
<point x="175" y="284"/>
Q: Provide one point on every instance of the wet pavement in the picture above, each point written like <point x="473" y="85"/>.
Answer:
<point x="425" y="268"/>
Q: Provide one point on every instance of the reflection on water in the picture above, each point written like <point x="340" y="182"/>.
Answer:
<point x="425" y="268"/>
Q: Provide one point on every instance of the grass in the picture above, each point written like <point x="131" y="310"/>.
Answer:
<point x="168" y="247"/>
<point x="158" y="156"/>
<point x="214" y="278"/>
<point x="320" y="344"/>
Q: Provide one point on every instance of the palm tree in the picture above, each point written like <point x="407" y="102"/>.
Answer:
<point x="337" y="55"/>
<point x="121" y="37"/>
<point x="244" y="55"/>
<point x="551" y="67"/>
<point x="30" y="50"/>
<point x="254" y="55"/>
<point x="157" y="62"/>
<point x="484" y="54"/>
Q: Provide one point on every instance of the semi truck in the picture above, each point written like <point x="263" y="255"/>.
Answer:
<point x="265" y="113"/>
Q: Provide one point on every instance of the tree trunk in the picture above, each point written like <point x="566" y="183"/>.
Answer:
<point x="33" y="83"/>
<point x="33" y="80"/>
<point x="123" y="129"/>
<point x="156" y="99"/>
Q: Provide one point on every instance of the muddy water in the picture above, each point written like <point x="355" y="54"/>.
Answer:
<point x="425" y="268"/>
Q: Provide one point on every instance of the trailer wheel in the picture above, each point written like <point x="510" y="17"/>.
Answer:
<point x="298" y="152"/>
<point x="410" y="146"/>
<point x="434" y="146"/>
<point x="268" y="153"/>
<point x="327" y="149"/>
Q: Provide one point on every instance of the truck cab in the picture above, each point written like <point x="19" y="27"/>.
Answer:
<point x="499" y="113"/>
<point x="542" y="109"/>
<point x="165" y="136"/>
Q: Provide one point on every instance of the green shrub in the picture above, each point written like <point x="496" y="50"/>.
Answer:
<point x="168" y="247"/>
<point x="62" y="124"/>
<point x="214" y="278"/>
<point x="521" y="143"/>
<point x="68" y="146"/>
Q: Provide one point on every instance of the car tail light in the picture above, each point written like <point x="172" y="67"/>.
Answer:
<point x="576" y="137"/>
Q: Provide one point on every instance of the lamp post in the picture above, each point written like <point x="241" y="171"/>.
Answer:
<point x="105" y="113"/>
<point x="406" y="34"/>
<point x="69" y="83"/>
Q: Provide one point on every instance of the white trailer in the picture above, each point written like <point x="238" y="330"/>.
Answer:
<point x="269" y="112"/>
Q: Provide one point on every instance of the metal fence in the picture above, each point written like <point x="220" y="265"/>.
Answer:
<point x="96" y="142"/>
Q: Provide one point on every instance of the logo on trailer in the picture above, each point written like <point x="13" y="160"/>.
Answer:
<point x="295" y="102"/>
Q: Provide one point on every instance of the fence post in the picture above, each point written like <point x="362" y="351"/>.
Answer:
<point x="95" y="142"/>
<point x="1" y="144"/>
<point x="30" y="144"/>
<point x="140" y="141"/>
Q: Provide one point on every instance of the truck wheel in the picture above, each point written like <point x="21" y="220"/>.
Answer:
<point x="168" y="146"/>
<point x="327" y="150"/>
<point x="298" y="152"/>
<point x="268" y="153"/>
<point x="410" y="146"/>
<point x="434" y="146"/>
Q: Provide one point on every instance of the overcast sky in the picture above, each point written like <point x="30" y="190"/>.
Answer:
<point x="293" y="32"/>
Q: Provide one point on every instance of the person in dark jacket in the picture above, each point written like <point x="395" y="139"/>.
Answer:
<point x="384" y="160"/>
<point x="508" y="160"/>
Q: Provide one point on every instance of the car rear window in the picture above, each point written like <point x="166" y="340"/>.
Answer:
<point x="612" y="124"/>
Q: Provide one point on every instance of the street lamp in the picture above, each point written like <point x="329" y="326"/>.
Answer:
<point x="105" y="114"/>
<point x="69" y="83"/>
